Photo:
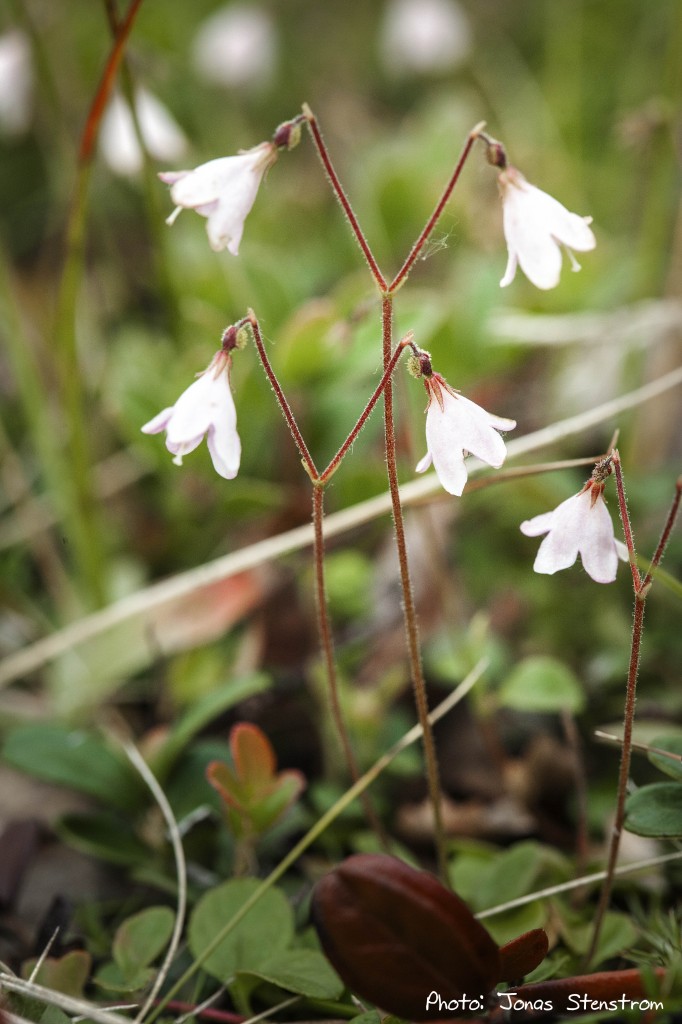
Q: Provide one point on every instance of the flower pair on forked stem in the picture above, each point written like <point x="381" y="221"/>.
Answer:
<point x="535" y="226"/>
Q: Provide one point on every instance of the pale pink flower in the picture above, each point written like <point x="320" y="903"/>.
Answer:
<point x="205" y="408"/>
<point x="456" y="427"/>
<point x="223" y="191"/>
<point x="536" y="226"/>
<point x="581" y="525"/>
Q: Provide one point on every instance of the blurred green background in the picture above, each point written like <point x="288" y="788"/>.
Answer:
<point x="586" y="97"/>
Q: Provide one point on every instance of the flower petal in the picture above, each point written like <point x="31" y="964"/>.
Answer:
<point x="424" y="463"/>
<point x="159" y="422"/>
<point x="192" y="412"/>
<point x="597" y="545"/>
<point x="470" y="424"/>
<point x="538" y="525"/>
<point x="225" y="448"/>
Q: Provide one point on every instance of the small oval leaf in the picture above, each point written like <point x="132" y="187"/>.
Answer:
<point x="396" y="935"/>
<point x="655" y="811"/>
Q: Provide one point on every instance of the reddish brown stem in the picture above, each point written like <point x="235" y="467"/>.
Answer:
<point x="409" y="611"/>
<point x="435" y="216"/>
<point x="641" y="588"/>
<point x="337" y="187"/>
<point x="364" y="416"/>
<point x="89" y="138"/>
<point x="306" y="457"/>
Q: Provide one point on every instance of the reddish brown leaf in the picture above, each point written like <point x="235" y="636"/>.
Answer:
<point x="522" y="955"/>
<point x="396" y="935"/>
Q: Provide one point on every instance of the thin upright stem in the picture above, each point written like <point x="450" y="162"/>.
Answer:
<point x="409" y="611"/>
<point x="327" y="646"/>
<point x="641" y="588"/>
<point x="400" y="277"/>
<point x="337" y="187"/>
<point x="306" y="457"/>
<point x="625" y="519"/>
<point x="623" y="773"/>
<point x="364" y="416"/>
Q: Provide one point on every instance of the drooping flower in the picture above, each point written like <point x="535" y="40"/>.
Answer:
<point x="536" y="226"/>
<point x="207" y="408"/>
<point x="455" y="427"/>
<point x="162" y="135"/>
<point x="223" y="191"/>
<point x="581" y="525"/>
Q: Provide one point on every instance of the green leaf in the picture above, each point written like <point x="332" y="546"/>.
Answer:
<point x="265" y="930"/>
<point x="542" y="684"/>
<point x="102" y="835"/>
<point x="303" y="971"/>
<point x="668" y="765"/>
<point x="519" y="870"/>
<point x="113" y="979"/>
<point x="141" y="938"/>
<point x="72" y="757"/>
<point x="67" y="974"/>
<point x="655" y="810"/>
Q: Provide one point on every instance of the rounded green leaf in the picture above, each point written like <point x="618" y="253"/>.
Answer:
<point x="542" y="684"/>
<point x="266" y="929"/>
<point x="140" y="939"/>
<point x="656" y="811"/>
<point x="75" y="758"/>
<point x="671" y="766"/>
<point x="304" y="971"/>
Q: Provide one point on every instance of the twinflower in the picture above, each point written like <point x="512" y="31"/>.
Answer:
<point x="455" y="427"/>
<point x="581" y="525"/>
<point x="536" y="226"/>
<point x="205" y="408"/>
<point x="223" y="191"/>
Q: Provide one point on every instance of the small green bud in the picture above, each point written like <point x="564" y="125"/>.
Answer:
<point x="244" y="336"/>
<point x="414" y="367"/>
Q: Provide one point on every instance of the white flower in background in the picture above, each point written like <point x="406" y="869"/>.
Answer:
<point x="16" y="83"/>
<point x="236" y="46"/>
<point x="535" y="227"/>
<point x="205" y="408"/>
<point x="455" y="427"/>
<point x="581" y="525"/>
<point x="223" y="191"/>
<point x="163" y="137"/>
<point x="424" y="36"/>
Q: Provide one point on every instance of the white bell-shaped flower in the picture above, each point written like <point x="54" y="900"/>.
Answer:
<point x="223" y="191"/>
<point x="456" y="427"/>
<point x="581" y="525"/>
<point x="207" y="409"/>
<point x="536" y="226"/>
